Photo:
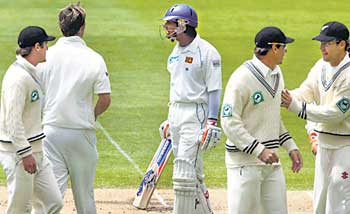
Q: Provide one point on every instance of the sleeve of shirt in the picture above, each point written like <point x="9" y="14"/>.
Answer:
<point x="14" y="101"/>
<point x="102" y="84"/>
<point x="336" y="111"/>
<point x="231" y="120"/>
<point x="286" y="140"/>
<point x="213" y="71"/>
<point x="307" y="91"/>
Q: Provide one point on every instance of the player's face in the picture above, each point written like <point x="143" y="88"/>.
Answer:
<point x="170" y="28"/>
<point x="42" y="51"/>
<point x="330" y="51"/>
<point x="281" y="50"/>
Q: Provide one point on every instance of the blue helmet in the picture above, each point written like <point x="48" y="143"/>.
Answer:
<point x="182" y="11"/>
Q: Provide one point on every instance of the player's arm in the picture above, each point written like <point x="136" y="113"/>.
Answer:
<point x="312" y="135"/>
<point x="14" y="101"/>
<point x="211" y="134"/>
<point x="102" y="88"/>
<point x="103" y="102"/>
<point x="334" y="112"/>
<point x="287" y="142"/>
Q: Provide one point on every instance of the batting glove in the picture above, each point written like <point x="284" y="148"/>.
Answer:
<point x="164" y="129"/>
<point x="313" y="141"/>
<point x="210" y="135"/>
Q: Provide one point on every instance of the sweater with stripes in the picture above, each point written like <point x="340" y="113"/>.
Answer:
<point x="20" y="113"/>
<point x="324" y="98"/>
<point x="250" y="115"/>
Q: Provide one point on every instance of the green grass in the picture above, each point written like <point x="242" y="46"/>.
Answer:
<point x="126" y="34"/>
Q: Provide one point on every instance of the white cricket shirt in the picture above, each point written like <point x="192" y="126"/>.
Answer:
<point x="194" y="71"/>
<point x="71" y="76"/>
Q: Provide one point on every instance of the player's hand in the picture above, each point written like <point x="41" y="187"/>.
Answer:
<point x="286" y="98"/>
<point x="314" y="142"/>
<point x="210" y="136"/>
<point x="164" y="129"/>
<point x="29" y="164"/>
<point x="268" y="156"/>
<point x="297" y="160"/>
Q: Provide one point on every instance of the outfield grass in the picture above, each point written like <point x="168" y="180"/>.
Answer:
<point x="126" y="34"/>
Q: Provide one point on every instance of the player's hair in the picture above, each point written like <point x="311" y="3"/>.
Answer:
<point x="263" y="51"/>
<point x="191" y="31"/>
<point x="260" y="51"/>
<point x="71" y="18"/>
<point x="27" y="50"/>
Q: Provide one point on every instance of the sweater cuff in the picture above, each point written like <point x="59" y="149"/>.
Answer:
<point x="290" y="145"/>
<point x="24" y="152"/>
<point x="295" y="106"/>
<point x="257" y="151"/>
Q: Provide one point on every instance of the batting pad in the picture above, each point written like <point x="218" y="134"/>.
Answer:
<point x="184" y="182"/>
<point x="202" y="205"/>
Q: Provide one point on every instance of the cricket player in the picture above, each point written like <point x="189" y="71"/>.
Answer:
<point x="29" y="176"/>
<point x="328" y="85"/>
<point x="71" y="76"/>
<point x="195" y="88"/>
<point x="251" y="120"/>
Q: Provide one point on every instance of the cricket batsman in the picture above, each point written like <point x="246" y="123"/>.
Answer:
<point x="194" y="66"/>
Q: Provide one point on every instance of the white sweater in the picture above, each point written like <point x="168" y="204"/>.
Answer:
<point x="250" y="114"/>
<point x="329" y="88"/>
<point x="20" y="113"/>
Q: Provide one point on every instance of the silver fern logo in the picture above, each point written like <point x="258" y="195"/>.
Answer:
<point x="34" y="96"/>
<point x="257" y="97"/>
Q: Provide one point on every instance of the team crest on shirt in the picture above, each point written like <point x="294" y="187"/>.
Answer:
<point x="189" y="59"/>
<point x="34" y="96"/>
<point x="227" y="110"/>
<point x="343" y="104"/>
<point x="257" y="97"/>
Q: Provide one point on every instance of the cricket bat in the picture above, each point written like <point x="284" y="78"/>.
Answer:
<point x="153" y="173"/>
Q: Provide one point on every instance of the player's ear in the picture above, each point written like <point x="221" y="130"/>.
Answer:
<point x="37" y="46"/>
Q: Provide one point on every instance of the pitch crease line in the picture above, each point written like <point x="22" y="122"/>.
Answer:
<point x="137" y="167"/>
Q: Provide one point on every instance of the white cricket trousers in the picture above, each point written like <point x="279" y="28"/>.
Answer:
<point x="332" y="181"/>
<point x="186" y="122"/>
<point x="255" y="189"/>
<point x="38" y="190"/>
<point x="73" y="154"/>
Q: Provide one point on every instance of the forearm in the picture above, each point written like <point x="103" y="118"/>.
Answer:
<point x="214" y="104"/>
<point x="102" y="104"/>
<point x="318" y="113"/>
<point x="285" y="139"/>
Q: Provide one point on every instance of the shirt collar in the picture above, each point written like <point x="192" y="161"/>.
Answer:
<point x="192" y="47"/>
<point x="264" y="69"/>
<point x="71" y="39"/>
<point x="26" y="65"/>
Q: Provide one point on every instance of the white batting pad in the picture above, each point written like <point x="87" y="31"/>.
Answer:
<point x="184" y="182"/>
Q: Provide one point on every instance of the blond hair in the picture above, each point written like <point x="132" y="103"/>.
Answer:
<point x="71" y="19"/>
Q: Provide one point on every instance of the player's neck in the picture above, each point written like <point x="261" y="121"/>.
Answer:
<point x="268" y="62"/>
<point x="185" y="40"/>
<point x="32" y="59"/>
<point x="337" y="60"/>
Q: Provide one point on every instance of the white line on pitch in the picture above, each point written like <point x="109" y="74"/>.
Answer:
<point x="116" y="145"/>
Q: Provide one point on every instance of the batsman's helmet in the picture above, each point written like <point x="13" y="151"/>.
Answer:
<point x="182" y="11"/>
